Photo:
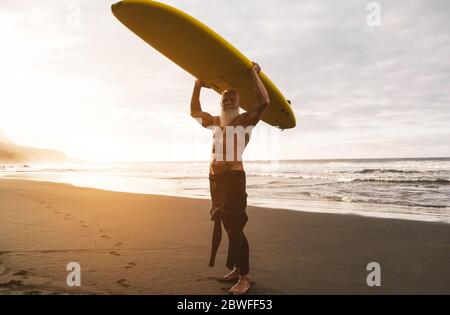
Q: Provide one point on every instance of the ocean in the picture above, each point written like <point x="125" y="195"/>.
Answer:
<point x="415" y="189"/>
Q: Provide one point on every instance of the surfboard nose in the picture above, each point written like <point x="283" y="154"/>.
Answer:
<point x="116" y="5"/>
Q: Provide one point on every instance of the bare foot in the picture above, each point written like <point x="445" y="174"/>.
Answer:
<point x="241" y="287"/>
<point x="233" y="275"/>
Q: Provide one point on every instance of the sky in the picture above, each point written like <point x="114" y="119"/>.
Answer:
<point x="366" y="79"/>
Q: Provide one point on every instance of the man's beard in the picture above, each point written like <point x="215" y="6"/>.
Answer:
<point x="227" y="116"/>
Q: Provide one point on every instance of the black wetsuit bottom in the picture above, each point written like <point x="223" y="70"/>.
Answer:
<point x="229" y="201"/>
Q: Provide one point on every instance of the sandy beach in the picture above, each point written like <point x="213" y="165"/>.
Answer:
<point x="148" y="244"/>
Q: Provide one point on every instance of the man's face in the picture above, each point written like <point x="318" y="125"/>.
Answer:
<point x="230" y="101"/>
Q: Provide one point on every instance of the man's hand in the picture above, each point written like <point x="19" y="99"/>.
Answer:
<point x="202" y="84"/>
<point x="255" y="68"/>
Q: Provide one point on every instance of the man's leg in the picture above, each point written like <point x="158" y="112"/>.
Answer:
<point x="235" y="222"/>
<point x="238" y="260"/>
<point x="240" y="256"/>
<point x="240" y="266"/>
<point x="243" y="257"/>
<point x="232" y="253"/>
<point x="239" y="250"/>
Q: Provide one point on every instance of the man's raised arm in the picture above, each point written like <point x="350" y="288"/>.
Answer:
<point x="254" y="115"/>
<point x="204" y="118"/>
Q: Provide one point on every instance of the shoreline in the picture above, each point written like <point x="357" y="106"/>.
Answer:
<point x="128" y="243"/>
<point x="319" y="205"/>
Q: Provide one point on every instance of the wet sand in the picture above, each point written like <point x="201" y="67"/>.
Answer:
<point x="148" y="244"/>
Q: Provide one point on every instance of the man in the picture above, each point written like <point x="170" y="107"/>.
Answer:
<point x="227" y="176"/>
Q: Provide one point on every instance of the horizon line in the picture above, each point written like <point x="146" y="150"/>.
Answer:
<point x="283" y="160"/>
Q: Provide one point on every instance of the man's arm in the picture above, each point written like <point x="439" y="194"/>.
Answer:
<point x="253" y="116"/>
<point x="204" y="118"/>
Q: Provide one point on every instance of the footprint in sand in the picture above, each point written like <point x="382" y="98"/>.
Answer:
<point x="21" y="273"/>
<point x="123" y="283"/>
<point x="85" y="226"/>
<point x="130" y="265"/>
<point x="119" y="244"/>
<point x="12" y="284"/>
<point x="105" y="236"/>
<point x="114" y="253"/>
<point x="209" y="278"/>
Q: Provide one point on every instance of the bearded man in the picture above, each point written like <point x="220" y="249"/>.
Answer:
<point x="227" y="176"/>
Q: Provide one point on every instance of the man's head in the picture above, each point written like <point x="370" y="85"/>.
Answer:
<point x="229" y="105"/>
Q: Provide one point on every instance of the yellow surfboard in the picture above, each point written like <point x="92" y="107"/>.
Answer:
<point x="203" y="53"/>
